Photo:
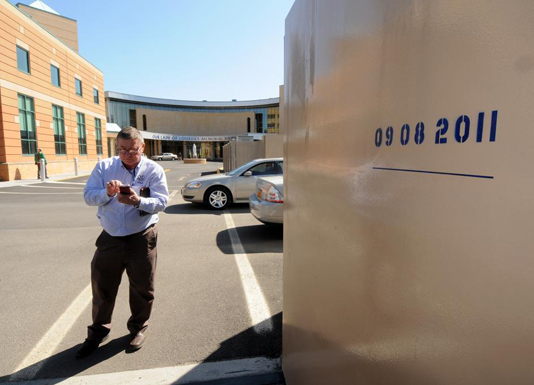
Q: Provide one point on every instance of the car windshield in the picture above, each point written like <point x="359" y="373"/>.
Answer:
<point x="241" y="169"/>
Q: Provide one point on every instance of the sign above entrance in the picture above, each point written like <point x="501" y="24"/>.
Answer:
<point x="180" y="138"/>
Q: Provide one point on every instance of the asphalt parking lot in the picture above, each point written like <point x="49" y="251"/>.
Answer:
<point x="202" y="312"/>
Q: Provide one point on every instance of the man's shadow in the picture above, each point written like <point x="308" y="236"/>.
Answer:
<point x="64" y="364"/>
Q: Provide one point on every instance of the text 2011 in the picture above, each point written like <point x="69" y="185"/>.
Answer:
<point x="462" y="130"/>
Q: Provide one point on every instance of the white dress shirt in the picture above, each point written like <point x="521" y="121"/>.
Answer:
<point x="119" y="219"/>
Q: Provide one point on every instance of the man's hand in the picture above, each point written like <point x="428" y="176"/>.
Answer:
<point x="112" y="187"/>
<point x="131" y="199"/>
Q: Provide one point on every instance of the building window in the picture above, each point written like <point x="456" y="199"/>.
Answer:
<point x="54" y="74"/>
<point x="248" y="124"/>
<point x="144" y="122"/>
<point x="82" y="142"/>
<point x="133" y="118"/>
<point x="95" y="95"/>
<point x="109" y="147"/>
<point x="27" y="125"/>
<point x="259" y="123"/>
<point x="23" y="60"/>
<point x="98" y="135"/>
<point x="78" y="84"/>
<point x="59" y="130"/>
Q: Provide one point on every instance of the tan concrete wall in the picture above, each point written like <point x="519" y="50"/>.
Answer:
<point x="16" y="28"/>
<point x="404" y="277"/>
<point x="64" y="29"/>
<point x="195" y="123"/>
<point x="227" y="157"/>
<point x="236" y="154"/>
<point x="272" y="146"/>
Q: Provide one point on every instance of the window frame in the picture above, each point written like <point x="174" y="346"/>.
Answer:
<point x="98" y="136"/>
<point x="58" y="76"/>
<point x="82" y="133"/>
<point x="60" y="139"/>
<point x="26" y="116"/>
<point x="96" y="97"/>
<point x="275" y="166"/>
<point x="27" y="59"/>
<point x="76" y="80"/>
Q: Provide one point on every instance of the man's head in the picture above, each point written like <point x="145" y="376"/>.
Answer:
<point x="40" y="150"/>
<point x="130" y="145"/>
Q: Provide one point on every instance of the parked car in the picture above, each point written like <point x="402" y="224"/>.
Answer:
<point x="221" y="190"/>
<point x="267" y="204"/>
<point x="165" y="156"/>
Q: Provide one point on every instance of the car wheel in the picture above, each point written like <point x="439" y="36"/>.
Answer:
<point x="218" y="198"/>
<point x="160" y="158"/>
<point x="173" y="159"/>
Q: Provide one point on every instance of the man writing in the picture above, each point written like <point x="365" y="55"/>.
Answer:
<point x="128" y="241"/>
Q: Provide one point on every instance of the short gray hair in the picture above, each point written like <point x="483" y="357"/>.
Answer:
<point x="130" y="133"/>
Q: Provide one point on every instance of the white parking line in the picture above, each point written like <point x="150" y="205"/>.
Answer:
<point x="257" y="305"/>
<point x="60" y="187"/>
<point x="172" y="196"/>
<point x="182" y="178"/>
<point x="53" y="337"/>
<point x="55" y="181"/>
<point x="39" y="193"/>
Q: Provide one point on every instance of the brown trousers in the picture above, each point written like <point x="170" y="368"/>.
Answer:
<point x="137" y="254"/>
<point x="39" y="171"/>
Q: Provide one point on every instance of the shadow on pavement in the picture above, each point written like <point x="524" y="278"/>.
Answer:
<point x="247" y="344"/>
<point x="254" y="239"/>
<point x="64" y="364"/>
<point x="198" y="208"/>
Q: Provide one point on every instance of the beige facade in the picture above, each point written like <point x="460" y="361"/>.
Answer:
<point x="193" y="123"/>
<point x="273" y="120"/>
<point x="170" y="125"/>
<point x="408" y="193"/>
<point x="63" y="28"/>
<point x="36" y="88"/>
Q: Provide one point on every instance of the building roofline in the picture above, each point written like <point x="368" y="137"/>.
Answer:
<point x="54" y="37"/>
<point x="42" y="10"/>
<point x="191" y="103"/>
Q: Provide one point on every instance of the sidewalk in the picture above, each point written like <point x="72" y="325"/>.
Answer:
<point x="53" y="178"/>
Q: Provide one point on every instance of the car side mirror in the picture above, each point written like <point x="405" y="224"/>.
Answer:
<point x="248" y="173"/>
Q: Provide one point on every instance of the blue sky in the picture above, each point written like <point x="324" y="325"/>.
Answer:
<point x="183" y="49"/>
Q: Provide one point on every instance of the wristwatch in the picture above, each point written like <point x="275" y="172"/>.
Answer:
<point x="137" y="204"/>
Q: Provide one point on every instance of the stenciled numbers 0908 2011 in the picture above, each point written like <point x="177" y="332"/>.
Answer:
<point x="462" y="130"/>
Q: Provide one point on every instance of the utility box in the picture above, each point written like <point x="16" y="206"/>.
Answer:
<point x="409" y="192"/>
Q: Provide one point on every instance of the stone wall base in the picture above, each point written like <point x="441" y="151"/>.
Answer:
<point x="192" y="160"/>
<point x="28" y="170"/>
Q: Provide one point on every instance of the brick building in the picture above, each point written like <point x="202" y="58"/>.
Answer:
<point x="50" y="96"/>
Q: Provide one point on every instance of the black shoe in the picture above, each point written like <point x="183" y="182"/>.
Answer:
<point x="89" y="346"/>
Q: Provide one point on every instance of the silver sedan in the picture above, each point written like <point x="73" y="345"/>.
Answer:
<point x="267" y="204"/>
<point x="219" y="191"/>
<point x="165" y="156"/>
